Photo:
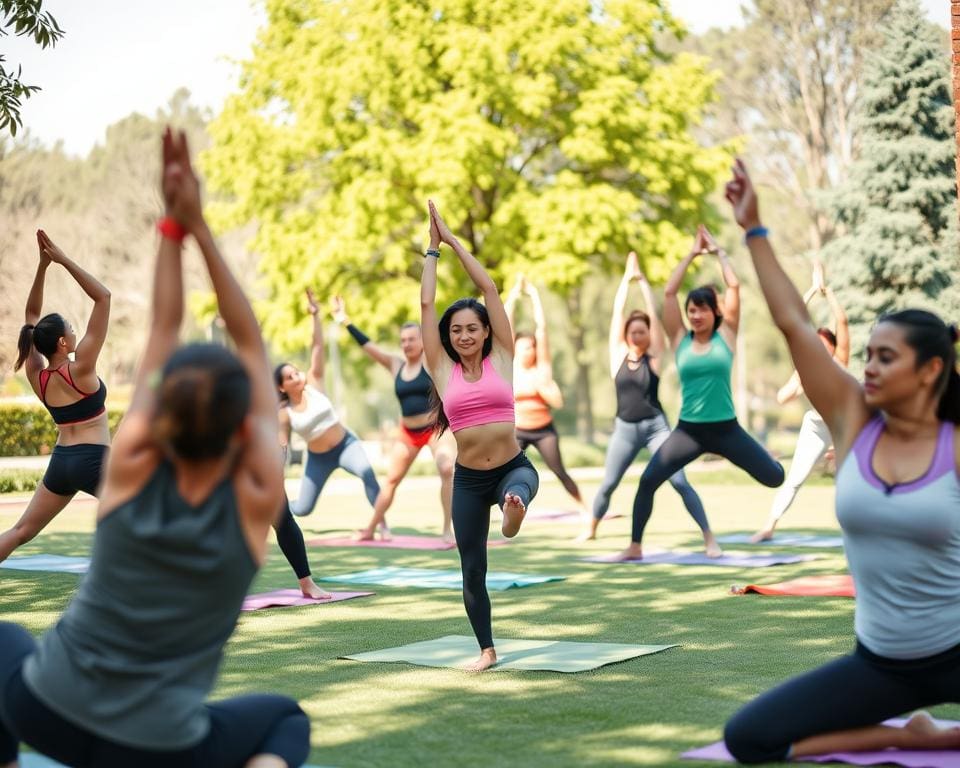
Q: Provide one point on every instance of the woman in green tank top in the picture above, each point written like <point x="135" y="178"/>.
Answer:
<point x="708" y="420"/>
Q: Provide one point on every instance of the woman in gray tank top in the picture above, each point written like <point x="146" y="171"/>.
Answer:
<point x="192" y="486"/>
<point x="898" y="504"/>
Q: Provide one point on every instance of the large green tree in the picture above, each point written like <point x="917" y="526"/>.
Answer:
<point x="554" y="135"/>
<point x="898" y="209"/>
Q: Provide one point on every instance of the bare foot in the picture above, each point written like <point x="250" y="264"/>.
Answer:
<point x="310" y="589"/>
<point x="763" y="535"/>
<point x="448" y="537"/>
<point x="488" y="657"/>
<point x="633" y="552"/>
<point x="924" y="733"/>
<point x="364" y="534"/>
<point x="710" y="545"/>
<point x="586" y="535"/>
<point x="513" y="513"/>
<point x="589" y="533"/>
<point x="385" y="534"/>
<point x="737" y="589"/>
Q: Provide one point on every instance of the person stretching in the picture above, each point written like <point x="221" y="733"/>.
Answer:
<point x="534" y="390"/>
<point x="190" y="491"/>
<point x="70" y="390"/>
<point x="708" y="421"/>
<point x="306" y="410"/>
<point x="814" y="439"/>
<point x="897" y="439"/>
<point x="412" y="385"/>
<point x="469" y="354"/>
<point x="636" y="353"/>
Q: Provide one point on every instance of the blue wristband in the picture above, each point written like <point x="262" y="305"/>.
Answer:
<point x="435" y="252"/>
<point x="756" y="232"/>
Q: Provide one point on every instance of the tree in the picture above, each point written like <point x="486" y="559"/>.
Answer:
<point x="554" y="135"/>
<point x="26" y="18"/>
<point x="955" y="37"/>
<point x="898" y="208"/>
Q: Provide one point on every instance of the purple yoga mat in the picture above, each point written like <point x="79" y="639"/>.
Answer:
<point x="734" y="560"/>
<point x="909" y="758"/>
<point x="284" y="598"/>
<point x="397" y="542"/>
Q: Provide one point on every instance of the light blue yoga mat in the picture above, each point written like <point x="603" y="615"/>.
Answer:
<point x="785" y="540"/>
<point x="33" y="760"/>
<point x="61" y="563"/>
<point x="458" y="651"/>
<point x="431" y="579"/>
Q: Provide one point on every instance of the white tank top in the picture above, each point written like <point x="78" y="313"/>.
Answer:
<point x="316" y="417"/>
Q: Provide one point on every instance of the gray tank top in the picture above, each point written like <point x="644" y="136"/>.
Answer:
<point x="136" y="652"/>
<point x="903" y="547"/>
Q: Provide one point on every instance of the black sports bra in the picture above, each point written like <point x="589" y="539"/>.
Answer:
<point x="87" y="407"/>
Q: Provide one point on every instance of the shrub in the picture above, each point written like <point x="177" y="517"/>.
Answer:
<point x="28" y="430"/>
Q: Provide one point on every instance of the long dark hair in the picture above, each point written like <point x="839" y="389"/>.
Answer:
<point x="278" y="380"/>
<point x="44" y="336"/>
<point x="930" y="337"/>
<point x="706" y="296"/>
<point x="436" y="404"/>
<point x="203" y="397"/>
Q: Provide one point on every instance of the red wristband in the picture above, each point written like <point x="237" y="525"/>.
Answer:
<point x="171" y="229"/>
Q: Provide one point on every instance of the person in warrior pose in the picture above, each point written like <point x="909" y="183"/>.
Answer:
<point x="637" y="350"/>
<point x="469" y="355"/>
<point x="708" y="421"/>
<point x="814" y="439"/>
<point x="534" y="390"/>
<point x="70" y="390"/>
<point x="190" y="491"/>
<point x="412" y="386"/>
<point x="897" y="442"/>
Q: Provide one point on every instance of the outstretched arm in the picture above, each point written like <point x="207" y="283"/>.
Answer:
<point x="33" y="312"/>
<point x="544" y="359"/>
<point x="616" y="341"/>
<point x="842" y="353"/>
<point x="672" y="316"/>
<point x="510" y="303"/>
<point x="318" y="358"/>
<point x="339" y="312"/>
<point x="731" y="297"/>
<point x="433" y="350"/>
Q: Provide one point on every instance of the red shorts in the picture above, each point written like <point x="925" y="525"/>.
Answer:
<point x="418" y="437"/>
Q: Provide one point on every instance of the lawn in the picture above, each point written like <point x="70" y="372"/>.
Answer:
<point x="641" y="712"/>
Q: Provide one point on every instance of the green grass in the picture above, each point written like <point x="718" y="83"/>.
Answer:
<point x="642" y="712"/>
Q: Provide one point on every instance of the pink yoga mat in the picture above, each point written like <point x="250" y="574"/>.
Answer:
<point x="397" y="542"/>
<point x="285" y="598"/>
<point x="906" y="757"/>
<point x="810" y="586"/>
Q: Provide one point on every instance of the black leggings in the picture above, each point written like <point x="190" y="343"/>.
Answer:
<point x="691" y="440"/>
<point x="290" y="539"/>
<point x="855" y="691"/>
<point x="239" y="728"/>
<point x="547" y="442"/>
<point x="474" y="492"/>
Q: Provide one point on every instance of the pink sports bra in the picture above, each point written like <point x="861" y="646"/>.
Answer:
<point x="472" y="403"/>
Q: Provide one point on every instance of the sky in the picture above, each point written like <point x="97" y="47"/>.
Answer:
<point x="120" y="56"/>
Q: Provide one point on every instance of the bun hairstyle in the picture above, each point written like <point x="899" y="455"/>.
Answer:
<point x="930" y="337"/>
<point x="44" y="336"/>
<point x="637" y="314"/>
<point x="706" y="296"/>
<point x="202" y="399"/>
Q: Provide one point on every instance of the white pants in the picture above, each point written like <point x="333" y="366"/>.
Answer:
<point x="812" y="443"/>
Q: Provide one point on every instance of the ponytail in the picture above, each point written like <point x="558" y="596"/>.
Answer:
<point x="949" y="407"/>
<point x="436" y="407"/>
<point x="24" y="345"/>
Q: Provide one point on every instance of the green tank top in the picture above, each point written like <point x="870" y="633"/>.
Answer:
<point x="705" y="381"/>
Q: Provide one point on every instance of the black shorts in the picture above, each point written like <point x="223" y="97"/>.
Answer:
<point x="75" y="468"/>
<point x="528" y="437"/>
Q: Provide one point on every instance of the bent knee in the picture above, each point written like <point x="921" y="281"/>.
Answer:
<point x="776" y="477"/>
<point x="744" y="740"/>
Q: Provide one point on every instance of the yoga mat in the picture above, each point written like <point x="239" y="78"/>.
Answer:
<point x="909" y="758"/>
<point x="785" y="540"/>
<point x="731" y="560"/>
<point x="434" y="543"/>
<point x="549" y="655"/>
<point x="391" y="576"/>
<point x="34" y="760"/>
<point x="810" y="586"/>
<point x="285" y="598"/>
<point x="61" y="563"/>
<point x="555" y="515"/>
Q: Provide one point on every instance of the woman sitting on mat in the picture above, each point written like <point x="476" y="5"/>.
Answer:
<point x="708" y="421"/>
<point x="190" y="491"/>
<point x="534" y="390"/>
<point x="898" y="494"/>
<point x="636" y="354"/>
<point x="412" y="386"/>
<point x="71" y="391"/>
<point x="306" y="410"/>
<point x="469" y="353"/>
<point x="814" y="439"/>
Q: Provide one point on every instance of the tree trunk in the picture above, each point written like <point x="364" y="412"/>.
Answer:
<point x="577" y="341"/>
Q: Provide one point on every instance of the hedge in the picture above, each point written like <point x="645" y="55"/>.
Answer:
<point x="28" y="430"/>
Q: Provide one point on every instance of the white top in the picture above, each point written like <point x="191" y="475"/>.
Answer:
<point x="317" y="416"/>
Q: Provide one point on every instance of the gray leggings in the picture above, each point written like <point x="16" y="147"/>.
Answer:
<point x="625" y="443"/>
<point x="348" y="454"/>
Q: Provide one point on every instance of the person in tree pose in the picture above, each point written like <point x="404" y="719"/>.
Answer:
<point x="469" y="355"/>
<point x="412" y="386"/>
<point x="190" y="491"/>
<point x="70" y="390"/>
<point x="898" y="493"/>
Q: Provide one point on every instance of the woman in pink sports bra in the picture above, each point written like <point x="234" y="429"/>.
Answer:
<point x="469" y="355"/>
<point x="69" y="389"/>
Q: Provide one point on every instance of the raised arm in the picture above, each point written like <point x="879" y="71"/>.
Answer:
<point x="616" y="343"/>
<point x="731" y="297"/>
<point x="28" y="354"/>
<point x="433" y="351"/>
<point x="499" y="323"/>
<point x="835" y="394"/>
<point x="544" y="358"/>
<point x="657" y="340"/>
<point x="672" y="316"/>
<point x="842" y="353"/>
<point x="339" y="313"/>
<point x="510" y="303"/>
<point x="88" y="349"/>
<point x="318" y="353"/>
